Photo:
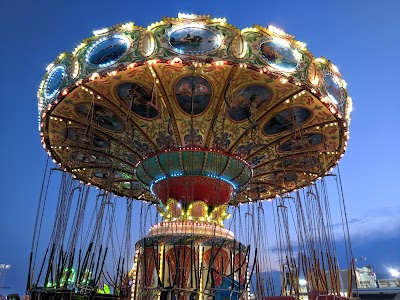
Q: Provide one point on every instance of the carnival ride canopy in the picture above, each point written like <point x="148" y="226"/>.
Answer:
<point x="192" y="102"/>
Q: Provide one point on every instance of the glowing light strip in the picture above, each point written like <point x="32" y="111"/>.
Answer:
<point x="49" y="78"/>
<point x="134" y="274"/>
<point x="276" y="30"/>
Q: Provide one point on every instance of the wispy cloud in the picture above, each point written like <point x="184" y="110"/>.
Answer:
<point x="382" y="221"/>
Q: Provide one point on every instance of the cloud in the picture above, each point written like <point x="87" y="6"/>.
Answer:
<point x="382" y="221"/>
<point x="339" y="225"/>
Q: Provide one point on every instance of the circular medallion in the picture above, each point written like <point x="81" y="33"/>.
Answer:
<point x="332" y="87"/>
<point x="193" y="94"/>
<point x="53" y="82"/>
<point x="193" y="40"/>
<point x="287" y="119"/>
<point x="108" y="50"/>
<point x="100" y="116"/>
<point x="139" y="100"/>
<point x="248" y="101"/>
<point x="303" y="142"/>
<point x="280" y="55"/>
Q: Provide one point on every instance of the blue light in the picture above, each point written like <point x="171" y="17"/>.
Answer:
<point x="53" y="82"/>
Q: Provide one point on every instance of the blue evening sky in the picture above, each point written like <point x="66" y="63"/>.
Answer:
<point x="360" y="37"/>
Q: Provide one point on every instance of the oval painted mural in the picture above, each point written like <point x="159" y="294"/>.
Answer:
<point x="287" y="119"/>
<point x="332" y="87"/>
<point x="107" y="51"/>
<point x="53" y="82"/>
<point x="100" y="115"/>
<point x="193" y="94"/>
<point x="279" y="55"/>
<point x="135" y="96"/>
<point x="193" y="40"/>
<point x="308" y="140"/>
<point x="81" y="137"/>
<point x="247" y="101"/>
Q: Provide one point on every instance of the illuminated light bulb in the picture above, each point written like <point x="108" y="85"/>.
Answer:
<point x="320" y="60"/>
<point x="334" y="68"/>
<point x="49" y="67"/>
<point x="301" y="45"/>
<point x="315" y="81"/>
<point x="100" y="31"/>
<point x="276" y="30"/>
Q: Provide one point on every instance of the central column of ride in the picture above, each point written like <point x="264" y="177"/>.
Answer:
<point x="190" y="255"/>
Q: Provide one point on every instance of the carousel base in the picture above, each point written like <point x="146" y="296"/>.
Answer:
<point x="189" y="260"/>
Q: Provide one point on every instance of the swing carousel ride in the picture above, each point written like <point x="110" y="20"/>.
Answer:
<point x="197" y="120"/>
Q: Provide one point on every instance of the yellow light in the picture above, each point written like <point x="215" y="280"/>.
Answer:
<point x="49" y="67"/>
<point x="315" y="80"/>
<point x="78" y="48"/>
<point x="153" y="25"/>
<point x="94" y="76"/>
<point x="320" y="60"/>
<point x="100" y="31"/>
<point x="161" y="265"/>
<point x="249" y="29"/>
<point x="186" y="16"/>
<point x="128" y="26"/>
<point x="220" y="20"/>
<point x="334" y="68"/>
<point x="276" y="30"/>
<point x="301" y="45"/>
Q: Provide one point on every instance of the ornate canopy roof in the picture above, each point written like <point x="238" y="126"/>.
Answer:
<point x="131" y="107"/>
